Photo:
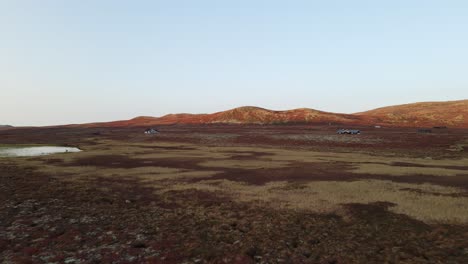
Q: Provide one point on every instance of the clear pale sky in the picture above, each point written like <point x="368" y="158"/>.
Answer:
<point x="99" y="60"/>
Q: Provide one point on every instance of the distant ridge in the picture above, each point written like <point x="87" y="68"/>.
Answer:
<point x="450" y="113"/>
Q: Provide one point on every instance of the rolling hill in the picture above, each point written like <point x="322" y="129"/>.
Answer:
<point x="452" y="114"/>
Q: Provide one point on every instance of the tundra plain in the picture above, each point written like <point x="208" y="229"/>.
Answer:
<point x="236" y="194"/>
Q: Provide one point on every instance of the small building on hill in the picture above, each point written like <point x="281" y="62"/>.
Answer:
<point x="151" y="131"/>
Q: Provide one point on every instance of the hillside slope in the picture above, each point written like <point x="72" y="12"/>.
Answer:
<point x="240" y="115"/>
<point x="257" y="115"/>
<point x="427" y="114"/>
<point x="451" y="113"/>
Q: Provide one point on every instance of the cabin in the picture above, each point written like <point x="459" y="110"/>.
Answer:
<point x="424" y="131"/>
<point x="151" y="131"/>
<point x="349" y="131"/>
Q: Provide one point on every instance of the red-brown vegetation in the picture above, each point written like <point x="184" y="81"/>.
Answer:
<point x="429" y="114"/>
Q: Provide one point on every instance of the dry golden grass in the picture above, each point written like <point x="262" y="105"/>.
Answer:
<point x="402" y="171"/>
<point x="310" y="156"/>
<point x="459" y="146"/>
<point x="174" y="154"/>
<point x="322" y="196"/>
<point x="148" y="174"/>
<point x="181" y="175"/>
<point x="244" y="164"/>
<point x="220" y="154"/>
<point x="329" y="196"/>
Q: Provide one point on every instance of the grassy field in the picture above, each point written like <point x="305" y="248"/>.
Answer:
<point x="242" y="195"/>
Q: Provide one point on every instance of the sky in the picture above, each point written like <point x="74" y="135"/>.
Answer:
<point x="73" y="61"/>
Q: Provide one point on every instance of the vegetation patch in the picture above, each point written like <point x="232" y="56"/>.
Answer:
<point x="429" y="205"/>
<point x="370" y="168"/>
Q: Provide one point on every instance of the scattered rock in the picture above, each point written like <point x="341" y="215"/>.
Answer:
<point x="313" y="241"/>
<point x="139" y="244"/>
<point x="225" y="227"/>
<point x="251" y="251"/>
<point x="71" y="260"/>
<point x="306" y="253"/>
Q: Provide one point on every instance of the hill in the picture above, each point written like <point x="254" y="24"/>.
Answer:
<point x="257" y="115"/>
<point x="426" y="114"/>
<point x="240" y="115"/>
<point x="451" y="113"/>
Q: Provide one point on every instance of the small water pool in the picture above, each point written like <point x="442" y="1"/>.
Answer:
<point x="18" y="151"/>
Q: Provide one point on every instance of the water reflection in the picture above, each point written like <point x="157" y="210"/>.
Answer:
<point x="34" y="151"/>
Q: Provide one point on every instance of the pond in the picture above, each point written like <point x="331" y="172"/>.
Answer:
<point x="19" y="151"/>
